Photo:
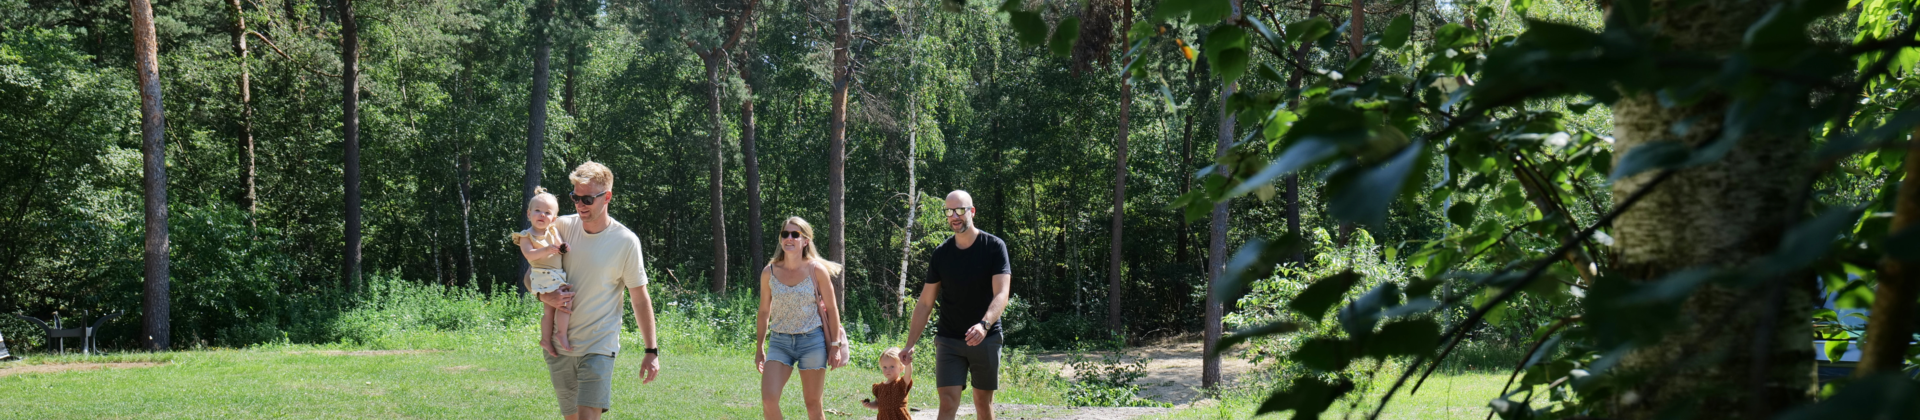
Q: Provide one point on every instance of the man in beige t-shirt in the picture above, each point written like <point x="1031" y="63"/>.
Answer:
<point x="603" y="260"/>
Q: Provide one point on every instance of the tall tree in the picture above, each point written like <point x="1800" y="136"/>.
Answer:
<point x="1698" y="219"/>
<point x="1114" y="263"/>
<point x="837" y="146"/>
<point x="247" y="197"/>
<point x="1292" y="195"/>
<point x="537" y="100"/>
<point x="714" y="58"/>
<point x="350" y="132"/>
<point x="1217" y="242"/>
<point x="1891" y="328"/>
<point x="155" y="304"/>
<point x="751" y="159"/>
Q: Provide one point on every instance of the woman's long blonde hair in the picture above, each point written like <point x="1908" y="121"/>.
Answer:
<point x="806" y="231"/>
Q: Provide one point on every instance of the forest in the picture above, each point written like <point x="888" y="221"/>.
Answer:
<point x="1640" y="203"/>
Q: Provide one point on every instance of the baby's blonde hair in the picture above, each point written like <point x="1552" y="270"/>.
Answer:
<point x="890" y="353"/>
<point x="592" y="173"/>
<point x="541" y="193"/>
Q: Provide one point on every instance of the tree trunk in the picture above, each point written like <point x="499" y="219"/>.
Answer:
<point x="717" y="207"/>
<point x="1728" y="213"/>
<point x="1314" y="9"/>
<point x="748" y="129"/>
<point x="1356" y="37"/>
<point x="1217" y="243"/>
<point x="913" y="189"/>
<point x="466" y="219"/>
<point x="537" y="112"/>
<point x="350" y="131"/>
<point x="156" y="305"/>
<point x="1202" y="78"/>
<point x="248" y="197"/>
<point x="837" y="147"/>
<point x="1114" y="264"/>
<point x="1891" y="323"/>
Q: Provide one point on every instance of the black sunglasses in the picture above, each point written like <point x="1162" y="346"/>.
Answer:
<point x="790" y="234"/>
<point x="587" y="199"/>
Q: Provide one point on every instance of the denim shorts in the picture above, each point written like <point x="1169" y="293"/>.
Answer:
<point x="805" y="351"/>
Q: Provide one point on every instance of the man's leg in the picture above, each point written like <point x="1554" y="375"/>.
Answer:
<point x="561" y="371"/>
<point x="596" y="385"/>
<point x="982" y="404"/>
<point x="949" y="402"/>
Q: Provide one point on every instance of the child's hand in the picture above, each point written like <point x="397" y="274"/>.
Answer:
<point x="869" y="404"/>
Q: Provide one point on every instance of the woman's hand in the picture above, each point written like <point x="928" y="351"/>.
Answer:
<point x="760" y="361"/>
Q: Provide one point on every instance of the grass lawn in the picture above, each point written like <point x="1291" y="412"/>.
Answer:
<point x="1445" y="396"/>
<point x="465" y="375"/>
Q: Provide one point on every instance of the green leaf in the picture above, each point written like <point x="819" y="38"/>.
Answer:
<point x="1520" y="6"/>
<point x="1807" y="242"/>
<point x="1255" y="260"/>
<point x="1461" y="213"/>
<point x="1649" y="156"/>
<point x="1453" y="35"/>
<point x="1226" y="50"/>
<point x="1299" y="156"/>
<point x="1323" y="294"/>
<point x="1396" y="34"/>
<point x="1834" y="349"/>
<point x="1063" y="36"/>
<point x="1889" y="395"/>
<point x="1308" y="30"/>
<point x="1362" y="196"/>
<point x="1028" y="27"/>
<point x="1359" y="317"/>
<point x="1411" y="337"/>
<point x="1306" y="396"/>
<point x="1324" y="354"/>
<point x="1278" y="123"/>
<point x="1237" y="337"/>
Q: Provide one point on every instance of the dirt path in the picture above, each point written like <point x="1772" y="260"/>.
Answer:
<point x="1173" y="369"/>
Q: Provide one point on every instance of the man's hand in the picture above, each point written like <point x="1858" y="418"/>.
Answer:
<point x="760" y="361"/>
<point x="906" y="354"/>
<point x="649" y="368"/>
<point x="560" y="300"/>
<point x="976" y="334"/>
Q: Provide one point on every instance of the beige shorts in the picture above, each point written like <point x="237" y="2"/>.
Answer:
<point x="546" y="280"/>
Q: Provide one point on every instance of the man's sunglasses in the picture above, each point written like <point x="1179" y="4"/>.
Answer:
<point x="957" y="211"/>
<point x="587" y="199"/>
<point x="790" y="234"/>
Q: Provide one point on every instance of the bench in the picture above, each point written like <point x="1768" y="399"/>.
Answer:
<point x="84" y="334"/>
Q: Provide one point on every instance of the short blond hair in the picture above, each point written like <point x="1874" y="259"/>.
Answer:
<point x="592" y="173"/>
<point x="891" y="353"/>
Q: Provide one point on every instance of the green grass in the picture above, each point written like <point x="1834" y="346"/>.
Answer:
<point x="1444" y="396"/>
<point x="494" y="373"/>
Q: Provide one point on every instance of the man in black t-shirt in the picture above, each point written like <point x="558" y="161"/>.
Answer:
<point x="971" y="276"/>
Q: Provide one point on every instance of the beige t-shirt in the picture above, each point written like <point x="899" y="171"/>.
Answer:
<point x="601" y="267"/>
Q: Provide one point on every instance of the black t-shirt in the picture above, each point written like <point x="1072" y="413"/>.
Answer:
<point x="966" y="282"/>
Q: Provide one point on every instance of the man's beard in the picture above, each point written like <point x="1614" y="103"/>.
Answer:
<point x="964" y="226"/>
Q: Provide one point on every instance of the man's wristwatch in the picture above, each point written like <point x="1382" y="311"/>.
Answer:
<point x="985" y="325"/>
<point x="653" y="350"/>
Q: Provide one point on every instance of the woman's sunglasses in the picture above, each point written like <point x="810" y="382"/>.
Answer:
<point x="587" y="199"/>
<point x="790" y="234"/>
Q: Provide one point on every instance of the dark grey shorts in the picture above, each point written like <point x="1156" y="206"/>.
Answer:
<point x="581" y="381"/>
<point x="954" y="360"/>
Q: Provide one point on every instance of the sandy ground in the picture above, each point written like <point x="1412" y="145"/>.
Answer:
<point x="69" y="367"/>
<point x="1173" y="369"/>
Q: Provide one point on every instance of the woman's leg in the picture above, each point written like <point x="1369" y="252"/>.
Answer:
<point x="772" y="380"/>
<point x="813" y="386"/>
